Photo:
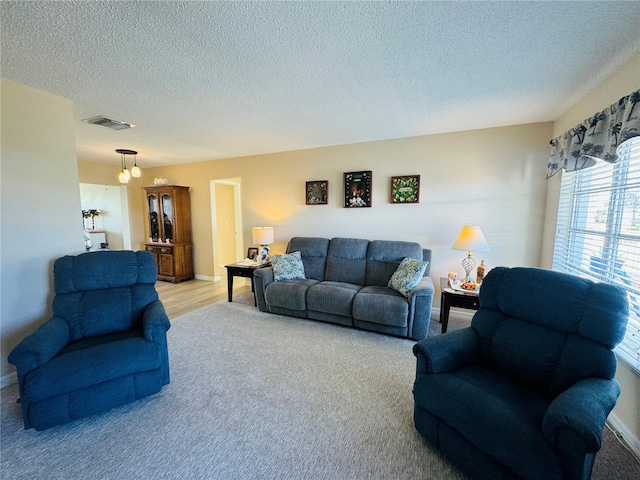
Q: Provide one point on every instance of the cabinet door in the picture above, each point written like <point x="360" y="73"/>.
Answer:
<point x="167" y="216"/>
<point x="154" y="214"/>
<point x="154" y="252"/>
<point x="165" y="261"/>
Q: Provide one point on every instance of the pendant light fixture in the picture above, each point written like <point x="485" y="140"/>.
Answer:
<point x="124" y="176"/>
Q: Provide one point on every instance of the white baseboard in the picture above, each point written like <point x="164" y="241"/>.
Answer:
<point x="207" y="278"/>
<point x="8" y="379"/>
<point x="623" y="431"/>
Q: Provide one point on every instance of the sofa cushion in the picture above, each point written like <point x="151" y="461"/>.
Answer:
<point x="381" y="305"/>
<point x="287" y="267"/>
<point x="100" y="363"/>
<point x="332" y="297"/>
<point x="383" y="258"/>
<point x="314" y="254"/>
<point x="289" y="294"/>
<point x="407" y="275"/>
<point x="347" y="260"/>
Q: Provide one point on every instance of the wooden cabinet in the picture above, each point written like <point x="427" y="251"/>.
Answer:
<point x="168" y="228"/>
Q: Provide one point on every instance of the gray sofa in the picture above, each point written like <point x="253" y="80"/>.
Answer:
<point x="346" y="283"/>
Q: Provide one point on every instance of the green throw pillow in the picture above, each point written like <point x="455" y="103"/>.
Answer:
<point x="407" y="275"/>
<point x="287" y="267"/>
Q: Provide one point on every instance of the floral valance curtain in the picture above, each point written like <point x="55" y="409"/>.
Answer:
<point x="597" y="137"/>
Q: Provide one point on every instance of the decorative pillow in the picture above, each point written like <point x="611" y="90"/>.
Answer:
<point x="407" y="275"/>
<point x="287" y="267"/>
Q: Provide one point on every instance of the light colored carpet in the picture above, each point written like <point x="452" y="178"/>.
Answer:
<point x="252" y="396"/>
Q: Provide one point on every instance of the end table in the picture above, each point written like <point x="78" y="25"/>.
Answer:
<point x="453" y="298"/>
<point x="241" y="269"/>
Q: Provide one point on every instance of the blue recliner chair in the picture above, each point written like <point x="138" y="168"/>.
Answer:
<point x="104" y="346"/>
<point x="524" y="392"/>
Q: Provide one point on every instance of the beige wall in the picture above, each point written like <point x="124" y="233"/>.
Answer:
<point x="622" y="83"/>
<point x="41" y="214"/>
<point x="493" y="178"/>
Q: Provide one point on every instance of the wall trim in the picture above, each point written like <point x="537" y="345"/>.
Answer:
<point x="8" y="379"/>
<point x="620" y="429"/>
<point x="206" y="278"/>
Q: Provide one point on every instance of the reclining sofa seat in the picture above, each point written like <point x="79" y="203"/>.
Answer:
<point x="346" y="283"/>
<point x="105" y="344"/>
<point x="524" y="392"/>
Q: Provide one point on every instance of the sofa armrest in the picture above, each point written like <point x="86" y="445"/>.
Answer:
<point x="420" y="301"/>
<point x="261" y="278"/>
<point x="425" y="287"/>
<point x="447" y="352"/>
<point x="41" y="346"/>
<point x="155" y="322"/>
<point x="582" y="409"/>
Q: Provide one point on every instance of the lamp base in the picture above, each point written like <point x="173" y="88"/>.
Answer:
<point x="468" y="263"/>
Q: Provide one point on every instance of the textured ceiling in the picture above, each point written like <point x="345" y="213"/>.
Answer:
<point x="209" y="80"/>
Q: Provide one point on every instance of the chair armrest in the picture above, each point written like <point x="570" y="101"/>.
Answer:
<point x="261" y="278"/>
<point x="155" y="322"/>
<point x="41" y="346"/>
<point x="447" y="352"/>
<point x="583" y="409"/>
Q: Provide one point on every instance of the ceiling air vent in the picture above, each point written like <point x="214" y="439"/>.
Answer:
<point x="108" y="122"/>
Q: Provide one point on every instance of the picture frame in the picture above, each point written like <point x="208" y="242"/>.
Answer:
<point x="357" y="189"/>
<point x="317" y="192"/>
<point x="405" y="189"/>
<point x="252" y="253"/>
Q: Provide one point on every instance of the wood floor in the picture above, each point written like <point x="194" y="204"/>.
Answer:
<point x="183" y="297"/>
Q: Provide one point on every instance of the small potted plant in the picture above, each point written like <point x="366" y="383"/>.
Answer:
<point x="92" y="214"/>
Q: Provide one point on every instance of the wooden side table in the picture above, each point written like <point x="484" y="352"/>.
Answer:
<point x="241" y="270"/>
<point x="453" y="298"/>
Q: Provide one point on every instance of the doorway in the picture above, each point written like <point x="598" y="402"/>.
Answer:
<point x="226" y="224"/>
<point x="113" y="220"/>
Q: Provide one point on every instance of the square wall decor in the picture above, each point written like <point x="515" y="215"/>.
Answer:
<point x="317" y="192"/>
<point x="357" y="189"/>
<point x="405" y="189"/>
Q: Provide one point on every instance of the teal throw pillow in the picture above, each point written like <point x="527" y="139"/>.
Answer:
<point x="407" y="275"/>
<point x="287" y="267"/>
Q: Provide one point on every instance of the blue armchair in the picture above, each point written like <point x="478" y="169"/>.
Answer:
<point x="525" y="391"/>
<point x="104" y="346"/>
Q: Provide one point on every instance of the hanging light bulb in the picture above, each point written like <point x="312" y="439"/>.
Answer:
<point x="135" y="170"/>
<point x="124" y="176"/>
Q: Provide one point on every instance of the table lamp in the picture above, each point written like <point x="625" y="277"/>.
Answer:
<point x="263" y="236"/>
<point x="470" y="239"/>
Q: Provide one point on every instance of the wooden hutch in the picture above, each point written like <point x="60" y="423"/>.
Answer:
<point x="169" y="231"/>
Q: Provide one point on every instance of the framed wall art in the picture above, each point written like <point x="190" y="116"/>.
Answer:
<point x="317" y="192"/>
<point x="357" y="189"/>
<point x="405" y="189"/>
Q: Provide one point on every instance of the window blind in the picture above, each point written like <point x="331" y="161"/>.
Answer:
<point x="598" y="232"/>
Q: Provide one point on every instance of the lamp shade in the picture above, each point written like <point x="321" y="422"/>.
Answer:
<point x="262" y="235"/>
<point x="471" y="239"/>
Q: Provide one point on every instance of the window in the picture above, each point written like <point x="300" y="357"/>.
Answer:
<point x="598" y="232"/>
